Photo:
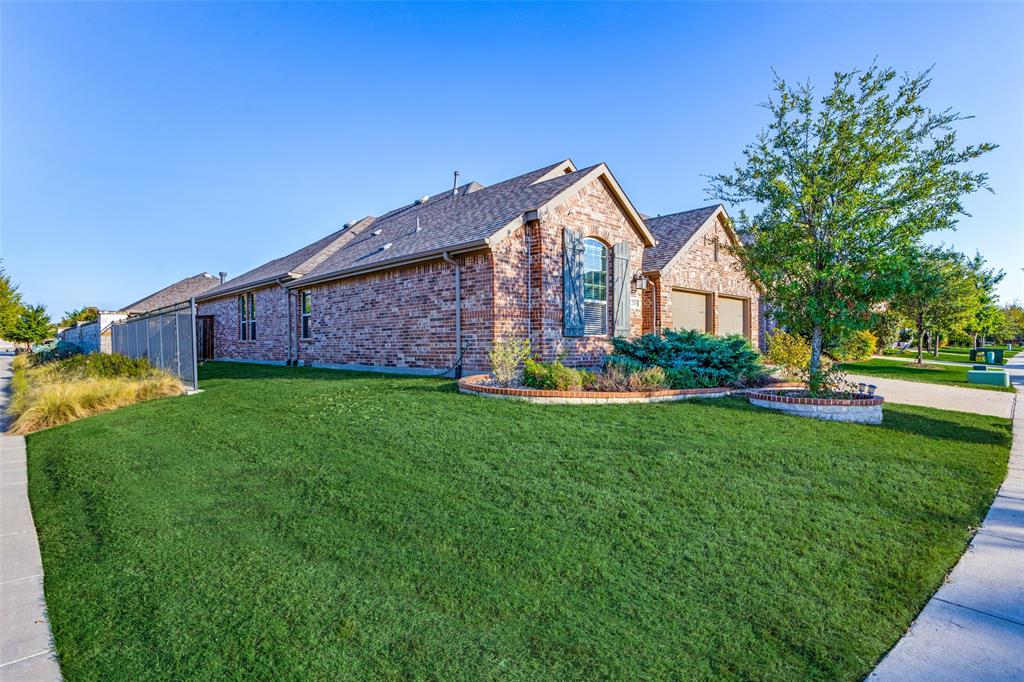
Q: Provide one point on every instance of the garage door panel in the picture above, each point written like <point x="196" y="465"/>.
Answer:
<point x="732" y="316"/>
<point x="689" y="310"/>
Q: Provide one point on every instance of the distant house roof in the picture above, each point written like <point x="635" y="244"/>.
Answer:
<point x="178" y="292"/>
<point x="673" y="232"/>
<point x="472" y="216"/>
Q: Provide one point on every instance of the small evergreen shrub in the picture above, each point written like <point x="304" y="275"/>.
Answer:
<point x="693" y="359"/>
<point x="790" y="352"/>
<point x="507" y="358"/>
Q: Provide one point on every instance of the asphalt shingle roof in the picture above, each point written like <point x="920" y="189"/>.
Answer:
<point x="176" y="293"/>
<point x="445" y="221"/>
<point x="673" y="232"/>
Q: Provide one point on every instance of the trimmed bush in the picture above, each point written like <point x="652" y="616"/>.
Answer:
<point x="856" y="346"/>
<point x="629" y="376"/>
<point x="693" y="359"/>
<point x="554" y="376"/>
<point x="790" y="352"/>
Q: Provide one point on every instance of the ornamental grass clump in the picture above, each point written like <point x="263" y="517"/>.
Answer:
<point x="54" y="393"/>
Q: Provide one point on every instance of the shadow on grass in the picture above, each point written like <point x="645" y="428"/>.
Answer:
<point x="998" y="432"/>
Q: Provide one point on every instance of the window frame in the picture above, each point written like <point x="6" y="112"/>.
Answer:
<point x="247" y="316"/>
<point x="589" y="301"/>
<point x="305" y="315"/>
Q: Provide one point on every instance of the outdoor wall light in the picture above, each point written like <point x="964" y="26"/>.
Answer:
<point x="871" y="389"/>
<point x="639" y="281"/>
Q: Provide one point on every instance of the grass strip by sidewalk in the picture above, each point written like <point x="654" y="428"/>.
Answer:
<point x="947" y="375"/>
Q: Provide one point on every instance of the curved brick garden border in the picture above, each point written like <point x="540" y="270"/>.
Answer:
<point x="864" y="409"/>
<point x="473" y="386"/>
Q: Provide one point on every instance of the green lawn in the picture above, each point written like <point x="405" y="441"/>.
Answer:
<point x="951" y="354"/>
<point x="948" y="375"/>
<point x="296" y="524"/>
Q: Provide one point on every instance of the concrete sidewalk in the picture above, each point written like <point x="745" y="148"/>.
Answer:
<point x="26" y="645"/>
<point x="973" y="627"/>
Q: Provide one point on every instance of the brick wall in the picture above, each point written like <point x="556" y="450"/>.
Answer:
<point x="697" y="270"/>
<point x="528" y="276"/>
<point x="271" y="341"/>
<point x="403" y="318"/>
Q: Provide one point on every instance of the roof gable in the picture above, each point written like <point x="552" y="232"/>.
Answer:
<point x="180" y="291"/>
<point x="675" y="232"/>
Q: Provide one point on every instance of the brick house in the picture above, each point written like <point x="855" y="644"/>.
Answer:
<point x="558" y="255"/>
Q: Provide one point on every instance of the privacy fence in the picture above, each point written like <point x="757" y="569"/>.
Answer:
<point x="166" y="337"/>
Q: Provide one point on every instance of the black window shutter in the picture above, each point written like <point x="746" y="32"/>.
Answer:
<point x="572" y="283"/>
<point x="621" y="288"/>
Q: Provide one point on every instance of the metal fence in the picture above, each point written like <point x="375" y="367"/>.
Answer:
<point x="166" y="337"/>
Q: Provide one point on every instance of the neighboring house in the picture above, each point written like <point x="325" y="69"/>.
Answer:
<point x="179" y="292"/>
<point x="556" y="255"/>
<point x="92" y="337"/>
<point x="697" y="282"/>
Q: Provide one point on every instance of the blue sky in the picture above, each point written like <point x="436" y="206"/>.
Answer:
<point x="148" y="142"/>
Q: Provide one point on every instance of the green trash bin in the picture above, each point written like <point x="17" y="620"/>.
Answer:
<point x="990" y="357"/>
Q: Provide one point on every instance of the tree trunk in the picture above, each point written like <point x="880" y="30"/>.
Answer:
<point x="920" y="338"/>
<point x="935" y="344"/>
<point x="815" y="367"/>
<point x="974" y="340"/>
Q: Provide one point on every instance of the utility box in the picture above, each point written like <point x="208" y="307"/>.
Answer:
<point x="994" y="378"/>
<point x="982" y="355"/>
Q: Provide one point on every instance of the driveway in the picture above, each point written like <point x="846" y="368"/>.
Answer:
<point x="977" y="400"/>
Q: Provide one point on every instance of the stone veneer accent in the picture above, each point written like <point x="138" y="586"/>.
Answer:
<point x="865" y="410"/>
<point x="695" y="269"/>
<point x="471" y="385"/>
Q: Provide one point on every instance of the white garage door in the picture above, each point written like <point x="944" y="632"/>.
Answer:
<point x="732" y="316"/>
<point x="689" y="310"/>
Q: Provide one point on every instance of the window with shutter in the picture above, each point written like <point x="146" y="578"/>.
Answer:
<point x="573" y="308"/>
<point x="595" y="288"/>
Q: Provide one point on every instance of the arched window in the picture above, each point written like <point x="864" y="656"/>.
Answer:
<point x="595" y="288"/>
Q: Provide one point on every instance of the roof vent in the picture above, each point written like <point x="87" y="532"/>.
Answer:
<point x="423" y="199"/>
<point x="376" y="233"/>
<point x="386" y="247"/>
<point x="349" y="224"/>
<point x="223" y="276"/>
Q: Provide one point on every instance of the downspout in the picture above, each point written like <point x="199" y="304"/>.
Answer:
<point x="458" y="313"/>
<point x="288" y="303"/>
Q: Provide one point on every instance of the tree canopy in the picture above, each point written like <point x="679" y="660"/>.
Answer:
<point x="86" y="314"/>
<point x="11" y="306"/>
<point x="33" y="326"/>
<point x="845" y="187"/>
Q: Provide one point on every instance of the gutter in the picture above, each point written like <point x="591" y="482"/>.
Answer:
<point x="275" y="279"/>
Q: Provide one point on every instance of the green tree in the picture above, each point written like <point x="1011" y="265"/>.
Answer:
<point x="87" y="314"/>
<point x="11" y="306"/>
<point x="1014" y="314"/>
<point x="986" y="318"/>
<point x="33" y="326"/>
<point x="844" y="189"/>
<point x="938" y="293"/>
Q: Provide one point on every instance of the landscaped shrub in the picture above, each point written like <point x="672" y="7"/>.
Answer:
<point x="694" y="359"/>
<point x="790" y="352"/>
<point x="507" y="358"/>
<point x="53" y="393"/>
<point x="554" y="376"/>
<point x="103" y="365"/>
<point x="622" y="374"/>
<point x="856" y="346"/>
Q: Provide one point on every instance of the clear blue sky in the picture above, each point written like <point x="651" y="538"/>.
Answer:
<point x="144" y="143"/>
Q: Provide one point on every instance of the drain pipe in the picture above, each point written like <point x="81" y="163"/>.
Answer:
<point x="458" y="313"/>
<point x="288" y="303"/>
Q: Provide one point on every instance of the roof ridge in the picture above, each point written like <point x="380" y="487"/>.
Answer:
<point x="344" y="235"/>
<point x="691" y="210"/>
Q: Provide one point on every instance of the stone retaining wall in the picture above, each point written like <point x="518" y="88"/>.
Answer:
<point x="865" y="410"/>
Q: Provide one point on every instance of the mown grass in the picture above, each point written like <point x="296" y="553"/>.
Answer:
<point x="296" y="524"/>
<point x="948" y="375"/>
<point x="950" y="354"/>
<point x="51" y="394"/>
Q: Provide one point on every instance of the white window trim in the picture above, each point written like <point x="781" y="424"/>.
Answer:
<point x="305" y="319"/>
<point x="594" y="301"/>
